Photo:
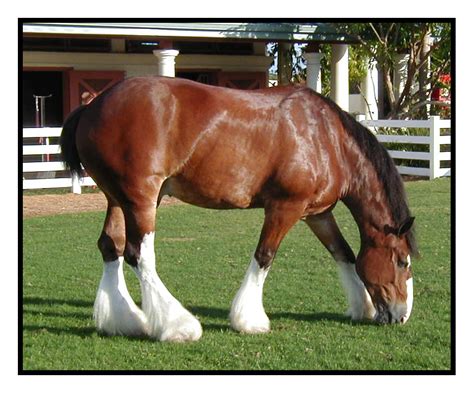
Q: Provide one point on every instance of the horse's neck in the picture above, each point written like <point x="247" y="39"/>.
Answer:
<point x="368" y="204"/>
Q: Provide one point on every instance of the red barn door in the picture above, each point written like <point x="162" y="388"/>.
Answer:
<point x="243" y="80"/>
<point x="84" y="86"/>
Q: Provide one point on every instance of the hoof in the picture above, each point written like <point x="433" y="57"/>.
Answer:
<point x="250" y="326"/>
<point x="182" y="329"/>
<point x="121" y="318"/>
<point x="361" y="313"/>
<point x="115" y="312"/>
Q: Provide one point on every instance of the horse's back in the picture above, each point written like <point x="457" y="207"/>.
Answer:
<point x="216" y="147"/>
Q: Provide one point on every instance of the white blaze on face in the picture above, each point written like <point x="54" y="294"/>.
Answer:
<point x="401" y="311"/>
<point x="409" y="294"/>
<point x="409" y="300"/>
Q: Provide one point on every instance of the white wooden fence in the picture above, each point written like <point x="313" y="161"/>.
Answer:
<point x="46" y="169"/>
<point x="434" y="140"/>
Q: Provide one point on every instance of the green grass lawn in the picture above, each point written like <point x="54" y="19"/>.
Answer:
<point x="202" y="257"/>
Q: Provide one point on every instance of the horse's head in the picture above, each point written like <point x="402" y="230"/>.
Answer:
<point x="385" y="268"/>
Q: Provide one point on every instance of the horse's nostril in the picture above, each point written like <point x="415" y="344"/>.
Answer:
<point x="390" y="317"/>
<point x="383" y="316"/>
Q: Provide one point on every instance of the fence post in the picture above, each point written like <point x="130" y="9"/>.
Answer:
<point x="76" y="186"/>
<point x="434" y="146"/>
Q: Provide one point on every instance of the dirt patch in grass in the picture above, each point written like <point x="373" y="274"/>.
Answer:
<point x="48" y="205"/>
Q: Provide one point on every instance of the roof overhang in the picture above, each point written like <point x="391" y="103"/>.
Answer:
<point x="269" y="32"/>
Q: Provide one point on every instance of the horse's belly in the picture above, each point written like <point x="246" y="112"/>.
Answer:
<point x="208" y="193"/>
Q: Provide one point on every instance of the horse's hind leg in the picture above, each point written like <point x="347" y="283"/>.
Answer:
<point x="167" y="319"/>
<point x="115" y="312"/>
<point x="325" y="228"/>
<point x="247" y="313"/>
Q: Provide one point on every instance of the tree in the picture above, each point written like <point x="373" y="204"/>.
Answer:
<point x="296" y="70"/>
<point x="428" y="50"/>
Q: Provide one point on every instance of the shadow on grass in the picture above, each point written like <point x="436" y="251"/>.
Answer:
<point x="58" y="314"/>
<point x="32" y="306"/>
<point x="219" y="313"/>
<point x="204" y="313"/>
<point x="201" y="311"/>
<point x="82" y="332"/>
<point x="39" y="301"/>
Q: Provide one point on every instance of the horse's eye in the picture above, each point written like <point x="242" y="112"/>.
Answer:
<point x="402" y="264"/>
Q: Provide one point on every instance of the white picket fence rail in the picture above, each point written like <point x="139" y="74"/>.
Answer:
<point x="47" y="169"/>
<point x="434" y="140"/>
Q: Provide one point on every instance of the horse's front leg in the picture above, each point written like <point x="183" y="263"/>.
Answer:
<point x="247" y="312"/>
<point x="167" y="319"/>
<point x="325" y="228"/>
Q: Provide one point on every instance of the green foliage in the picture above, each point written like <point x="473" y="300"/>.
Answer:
<point x="425" y="148"/>
<point x="407" y="146"/>
<point x="326" y="70"/>
<point x="383" y="41"/>
<point x="202" y="257"/>
<point x="294" y="57"/>
<point x="357" y="68"/>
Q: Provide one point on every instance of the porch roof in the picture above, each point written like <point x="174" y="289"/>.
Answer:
<point x="268" y="31"/>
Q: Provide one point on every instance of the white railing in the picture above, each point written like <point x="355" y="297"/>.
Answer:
<point x="46" y="169"/>
<point x="434" y="140"/>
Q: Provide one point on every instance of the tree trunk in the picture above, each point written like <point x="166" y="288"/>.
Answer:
<point x="284" y="64"/>
<point x="387" y="78"/>
<point x="423" y="76"/>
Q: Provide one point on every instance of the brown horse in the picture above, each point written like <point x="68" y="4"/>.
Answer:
<point x="287" y="150"/>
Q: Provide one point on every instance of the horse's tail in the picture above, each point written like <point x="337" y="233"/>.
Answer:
<point x="67" y="141"/>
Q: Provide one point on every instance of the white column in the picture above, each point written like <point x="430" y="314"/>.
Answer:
<point x="313" y="70"/>
<point x="340" y="75"/>
<point x="370" y="91"/>
<point x="166" y="61"/>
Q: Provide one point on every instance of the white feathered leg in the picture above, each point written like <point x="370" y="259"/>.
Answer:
<point x="247" y="313"/>
<point x="115" y="312"/>
<point x="167" y="319"/>
<point x="360" y="303"/>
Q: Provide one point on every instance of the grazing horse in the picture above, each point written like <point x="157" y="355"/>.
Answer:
<point x="287" y="150"/>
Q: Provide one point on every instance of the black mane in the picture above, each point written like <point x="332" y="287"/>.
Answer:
<point x="385" y="168"/>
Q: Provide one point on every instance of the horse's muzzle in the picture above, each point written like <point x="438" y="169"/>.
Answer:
<point x="384" y="316"/>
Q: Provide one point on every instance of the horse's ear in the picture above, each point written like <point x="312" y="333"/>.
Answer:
<point x="405" y="227"/>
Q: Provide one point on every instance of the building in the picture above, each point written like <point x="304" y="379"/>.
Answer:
<point x="73" y="62"/>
